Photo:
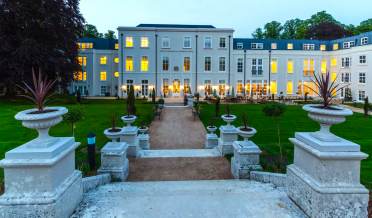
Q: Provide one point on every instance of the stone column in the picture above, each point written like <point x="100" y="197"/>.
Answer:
<point x="41" y="180"/>
<point x="130" y="137"/>
<point x="246" y="159"/>
<point x="324" y="179"/>
<point x="228" y="134"/>
<point x="114" y="160"/>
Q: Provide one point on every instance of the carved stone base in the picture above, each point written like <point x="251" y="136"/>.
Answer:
<point x="114" y="160"/>
<point x="246" y="159"/>
<point x="144" y="141"/>
<point x="130" y="137"/>
<point x="211" y="141"/>
<point x="228" y="134"/>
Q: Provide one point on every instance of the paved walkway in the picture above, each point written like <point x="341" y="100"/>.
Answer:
<point x="177" y="129"/>
<point x="356" y="110"/>
<point x="228" y="198"/>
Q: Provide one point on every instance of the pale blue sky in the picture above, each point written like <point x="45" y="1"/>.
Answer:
<point x="242" y="15"/>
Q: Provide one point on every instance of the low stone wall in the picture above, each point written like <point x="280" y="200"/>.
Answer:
<point x="276" y="179"/>
<point x="93" y="182"/>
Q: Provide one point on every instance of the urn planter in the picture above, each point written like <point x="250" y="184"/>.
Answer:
<point x="42" y="122"/>
<point x="326" y="117"/>
<point x="246" y="133"/>
<point x="212" y="129"/>
<point x="143" y="129"/>
<point x="113" y="135"/>
<point x="228" y="118"/>
<point x="128" y="119"/>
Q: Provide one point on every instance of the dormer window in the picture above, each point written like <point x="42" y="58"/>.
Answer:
<point x="349" y="44"/>
<point x="239" y="45"/>
<point x="290" y="46"/>
<point x="309" y="47"/>
<point x="274" y="46"/>
<point x="256" y="45"/>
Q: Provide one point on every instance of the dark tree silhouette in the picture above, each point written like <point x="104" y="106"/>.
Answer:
<point x="41" y="35"/>
<point x="327" y="31"/>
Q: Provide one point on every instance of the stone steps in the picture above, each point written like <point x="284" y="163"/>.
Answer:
<point x="218" y="198"/>
<point x="179" y="153"/>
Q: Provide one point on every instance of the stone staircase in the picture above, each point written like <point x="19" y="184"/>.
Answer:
<point x="208" y="198"/>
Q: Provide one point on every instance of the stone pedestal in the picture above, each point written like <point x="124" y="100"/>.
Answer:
<point x="228" y="134"/>
<point x="41" y="181"/>
<point x="129" y="135"/>
<point x="114" y="160"/>
<point x="144" y="141"/>
<point x="324" y="179"/>
<point x="246" y="159"/>
<point x="211" y="140"/>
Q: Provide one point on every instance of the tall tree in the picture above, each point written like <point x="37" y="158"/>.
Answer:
<point x="39" y="34"/>
<point x="90" y="31"/>
<point x="327" y="31"/>
<point x="273" y="30"/>
<point x="364" y="26"/>
<point x="258" y="34"/>
<point x="110" y="35"/>
<point x="293" y="29"/>
<point x="322" y="17"/>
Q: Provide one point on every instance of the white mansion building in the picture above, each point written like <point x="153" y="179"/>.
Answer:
<point x="175" y="59"/>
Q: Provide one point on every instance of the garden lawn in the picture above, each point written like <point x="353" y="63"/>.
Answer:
<point x="97" y="117"/>
<point x="357" y="128"/>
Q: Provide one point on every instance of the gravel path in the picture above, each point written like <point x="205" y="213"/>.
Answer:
<point x="177" y="129"/>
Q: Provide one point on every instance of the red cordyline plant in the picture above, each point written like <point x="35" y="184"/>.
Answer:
<point x="39" y="93"/>
<point x="326" y="88"/>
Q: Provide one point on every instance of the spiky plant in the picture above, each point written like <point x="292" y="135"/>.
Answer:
<point x="227" y="109"/>
<point x="39" y="93"/>
<point x="113" y="123"/>
<point x="245" y="120"/>
<point x="326" y="88"/>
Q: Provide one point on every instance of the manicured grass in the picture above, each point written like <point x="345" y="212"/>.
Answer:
<point x="97" y="117"/>
<point x="357" y="128"/>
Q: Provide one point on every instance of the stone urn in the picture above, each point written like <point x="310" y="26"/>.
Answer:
<point x="246" y="133"/>
<point x="143" y="129"/>
<point x="42" y="122"/>
<point x="113" y="134"/>
<point x="326" y="117"/>
<point x="228" y="118"/>
<point x="211" y="129"/>
<point x="128" y="119"/>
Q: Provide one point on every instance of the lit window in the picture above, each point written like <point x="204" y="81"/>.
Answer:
<point x="324" y="66"/>
<point x="308" y="67"/>
<point x="82" y="60"/>
<point x="187" y="42"/>
<point x="274" y="87"/>
<point x="274" y="46"/>
<point x="222" y="64"/>
<point x="207" y="63"/>
<point x="129" y="42"/>
<point x="79" y="76"/>
<point x="165" y="63"/>
<point x="85" y="45"/>
<point x="144" y="42"/>
<point x="335" y="46"/>
<point x="116" y="74"/>
<point x="334" y="76"/>
<point x="129" y="63"/>
<point x="165" y="42"/>
<point x="103" y="76"/>
<point x="290" y="66"/>
<point x="289" y="88"/>
<point x="103" y="60"/>
<point x="323" y="47"/>
<point x="84" y="76"/>
<point x="186" y="64"/>
<point x="333" y="62"/>
<point x="116" y="60"/>
<point x="116" y="46"/>
<point x="144" y="64"/>
<point x="274" y="66"/>
<point x="290" y="46"/>
<point x="207" y="42"/>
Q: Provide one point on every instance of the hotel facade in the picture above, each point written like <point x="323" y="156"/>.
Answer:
<point x="178" y="59"/>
